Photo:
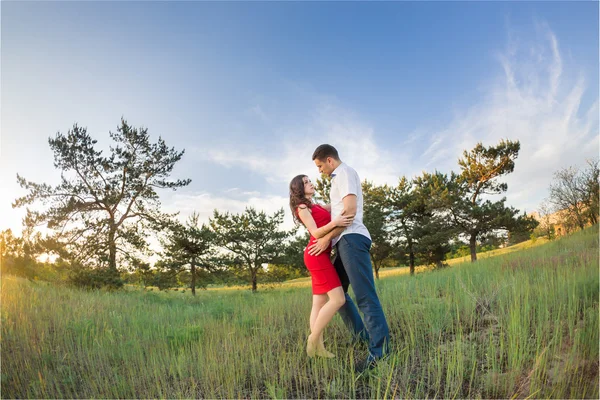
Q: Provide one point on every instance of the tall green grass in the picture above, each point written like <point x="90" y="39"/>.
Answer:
<point x="518" y="325"/>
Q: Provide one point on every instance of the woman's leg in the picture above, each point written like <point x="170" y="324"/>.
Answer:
<point x="313" y="316"/>
<point x="325" y="314"/>
<point x="319" y="300"/>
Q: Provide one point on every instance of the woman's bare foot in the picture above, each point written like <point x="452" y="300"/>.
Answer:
<point x="321" y="351"/>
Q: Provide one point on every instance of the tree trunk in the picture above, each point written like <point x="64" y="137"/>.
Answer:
<point x="411" y="255"/>
<point x="579" y="217"/>
<point x="193" y="270"/>
<point x="254" y="271"/>
<point x="112" y="250"/>
<point x="473" y="247"/>
<point x="375" y="267"/>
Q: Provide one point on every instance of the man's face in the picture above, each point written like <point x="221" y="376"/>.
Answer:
<point x="325" y="166"/>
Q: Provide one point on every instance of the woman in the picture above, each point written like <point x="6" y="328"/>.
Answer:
<point x="325" y="281"/>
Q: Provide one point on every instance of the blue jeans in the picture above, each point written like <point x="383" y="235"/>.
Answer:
<point x="353" y="265"/>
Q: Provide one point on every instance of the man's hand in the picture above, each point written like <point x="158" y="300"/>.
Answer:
<point x="319" y="246"/>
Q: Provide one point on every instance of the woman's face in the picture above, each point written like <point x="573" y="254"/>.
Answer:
<point x="309" y="189"/>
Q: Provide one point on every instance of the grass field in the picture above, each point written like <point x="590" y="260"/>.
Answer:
<point x="521" y="324"/>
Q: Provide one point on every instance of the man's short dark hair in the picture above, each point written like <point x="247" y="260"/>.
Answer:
<point x="323" y="151"/>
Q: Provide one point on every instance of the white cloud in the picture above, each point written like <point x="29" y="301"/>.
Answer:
<point x="538" y="102"/>
<point x="329" y="123"/>
<point x="240" y="193"/>
<point x="205" y="203"/>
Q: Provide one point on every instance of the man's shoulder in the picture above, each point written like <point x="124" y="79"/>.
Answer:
<point x="348" y="170"/>
<point x="345" y="169"/>
<point x="345" y="175"/>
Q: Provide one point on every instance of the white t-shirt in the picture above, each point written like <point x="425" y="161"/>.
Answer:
<point x="345" y="181"/>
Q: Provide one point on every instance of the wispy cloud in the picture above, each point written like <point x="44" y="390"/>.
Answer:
<point x="536" y="101"/>
<point x="327" y="123"/>
<point x="204" y="205"/>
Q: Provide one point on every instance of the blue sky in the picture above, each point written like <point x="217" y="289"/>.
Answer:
<point x="250" y="89"/>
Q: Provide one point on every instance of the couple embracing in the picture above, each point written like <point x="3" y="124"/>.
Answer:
<point x="339" y="224"/>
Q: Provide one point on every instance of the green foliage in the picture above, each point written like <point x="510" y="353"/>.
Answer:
<point x="292" y="258"/>
<point x="281" y="273"/>
<point x="405" y="211"/>
<point x="522" y="229"/>
<point x="18" y="255"/>
<point x="434" y="235"/>
<point x="142" y="274"/>
<point x="419" y="219"/>
<point x="433" y="231"/>
<point x="547" y="232"/>
<point x="101" y="210"/>
<point x="202" y="279"/>
<point x="164" y="278"/>
<point x="323" y="189"/>
<point x="250" y="239"/>
<point x="188" y="247"/>
<point x="461" y="249"/>
<point x="461" y="194"/>
<point x="95" y="278"/>
<point x="482" y="165"/>
<point x="376" y="214"/>
<point x="12" y="260"/>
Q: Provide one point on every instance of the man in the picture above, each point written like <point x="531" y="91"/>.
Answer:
<point x="352" y="262"/>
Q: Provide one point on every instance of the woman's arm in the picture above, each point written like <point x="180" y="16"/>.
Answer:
<point x="308" y="221"/>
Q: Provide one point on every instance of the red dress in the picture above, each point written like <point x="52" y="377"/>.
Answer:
<point x="323" y="274"/>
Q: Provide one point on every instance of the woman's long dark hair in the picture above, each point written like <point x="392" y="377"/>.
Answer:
<point x="298" y="197"/>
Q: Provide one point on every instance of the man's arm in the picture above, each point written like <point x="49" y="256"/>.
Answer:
<point x="309" y="222"/>
<point x="334" y="233"/>
<point x="349" y="205"/>
<point x="323" y="243"/>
